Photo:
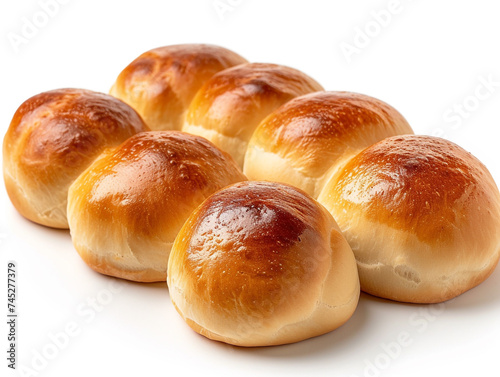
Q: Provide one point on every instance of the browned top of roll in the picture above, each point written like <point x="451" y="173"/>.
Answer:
<point x="59" y="133"/>
<point x="152" y="182"/>
<point x="314" y="130"/>
<point x="424" y="185"/>
<point x="254" y="238"/>
<point x="235" y="100"/>
<point x="161" y="83"/>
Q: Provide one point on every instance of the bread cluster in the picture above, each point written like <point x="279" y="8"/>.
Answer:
<point x="264" y="201"/>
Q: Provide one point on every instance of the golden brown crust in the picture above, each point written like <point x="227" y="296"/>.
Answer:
<point x="259" y="259"/>
<point x="242" y="224"/>
<point x="161" y="83"/>
<point x="52" y="138"/>
<point x="229" y="107"/>
<point x="311" y="135"/>
<point x="422" y="216"/>
<point x="404" y="181"/>
<point x="138" y="196"/>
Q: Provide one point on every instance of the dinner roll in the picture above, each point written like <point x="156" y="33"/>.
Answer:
<point x="52" y="138"/>
<point x="229" y="107"/>
<point x="161" y="82"/>
<point x="260" y="264"/>
<point x="305" y="140"/>
<point x="422" y="216"/>
<point x="125" y="210"/>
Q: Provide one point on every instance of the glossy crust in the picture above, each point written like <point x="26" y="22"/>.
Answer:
<point x="261" y="263"/>
<point x="304" y="141"/>
<point x="229" y="107"/>
<point x="52" y="138"/>
<point x="125" y="210"/>
<point x="421" y="215"/>
<point x="161" y="83"/>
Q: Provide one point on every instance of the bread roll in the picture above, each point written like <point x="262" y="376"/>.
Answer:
<point x="125" y="210"/>
<point x="52" y="138"/>
<point x="161" y="82"/>
<point x="305" y="140"/>
<point x="422" y="216"/>
<point x="228" y="108"/>
<point x="261" y="263"/>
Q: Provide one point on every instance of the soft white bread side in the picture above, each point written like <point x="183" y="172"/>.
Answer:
<point x="228" y="108"/>
<point x="161" y="83"/>
<point x="125" y="210"/>
<point x="261" y="263"/>
<point x="53" y="137"/>
<point x="422" y="216"/>
<point x="304" y="141"/>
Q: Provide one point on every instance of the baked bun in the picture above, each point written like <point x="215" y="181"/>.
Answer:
<point x="229" y="107"/>
<point x="125" y="210"/>
<point x="260" y="264"/>
<point x="304" y="141"/>
<point x="422" y="216"/>
<point x="53" y="137"/>
<point x="161" y="83"/>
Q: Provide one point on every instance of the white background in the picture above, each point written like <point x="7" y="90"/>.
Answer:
<point x="424" y="60"/>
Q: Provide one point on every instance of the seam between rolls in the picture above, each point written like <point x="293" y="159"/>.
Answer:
<point x="216" y="131"/>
